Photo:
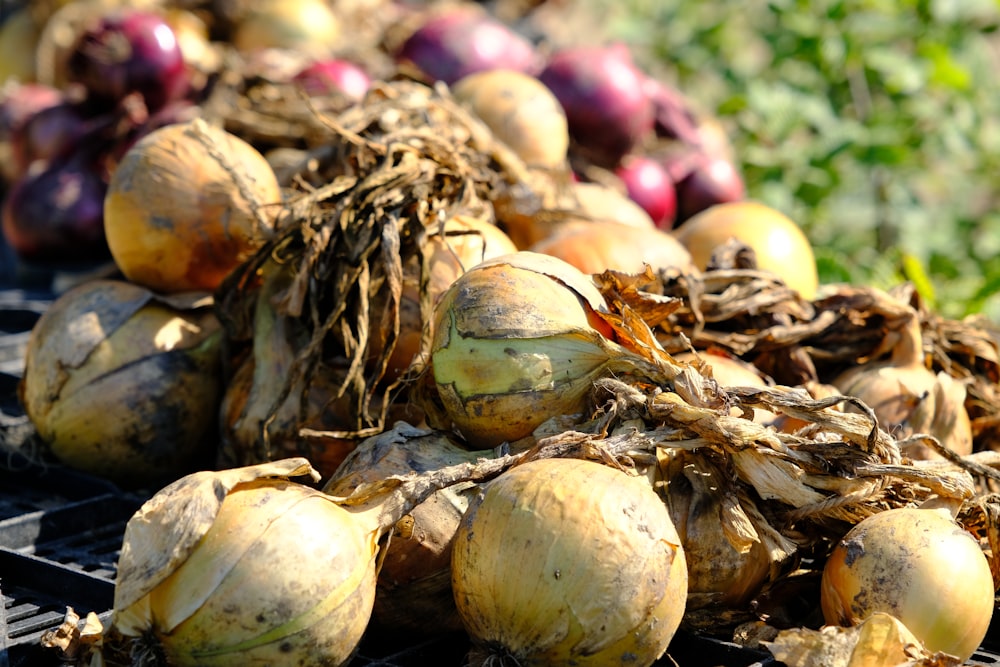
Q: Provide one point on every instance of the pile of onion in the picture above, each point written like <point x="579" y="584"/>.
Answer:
<point x="568" y="562"/>
<point x="124" y="384"/>
<point x="187" y="204"/>
<point x="921" y="567"/>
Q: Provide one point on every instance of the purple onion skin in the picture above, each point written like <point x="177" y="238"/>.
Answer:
<point x="334" y="77"/>
<point x="23" y="102"/>
<point x="709" y="181"/>
<point x="451" y="46"/>
<point x="48" y="134"/>
<point x="55" y="215"/>
<point x="604" y="96"/>
<point x="673" y="117"/>
<point x="130" y="51"/>
<point x="649" y="185"/>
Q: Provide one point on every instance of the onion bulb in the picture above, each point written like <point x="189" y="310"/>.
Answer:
<point x="310" y="27"/>
<point x="124" y="384"/>
<point x="909" y="398"/>
<point x="244" y="566"/>
<point x="518" y="340"/>
<point x="568" y="562"/>
<point x="779" y="244"/>
<point x="921" y="567"/>
<point x="413" y="595"/>
<point x="594" y="247"/>
<point x="187" y="204"/>
<point x="521" y="111"/>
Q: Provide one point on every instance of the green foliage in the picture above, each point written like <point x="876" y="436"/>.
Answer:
<point x="874" y="123"/>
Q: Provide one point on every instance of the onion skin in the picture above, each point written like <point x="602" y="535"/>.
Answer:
<point x="779" y="244"/>
<point x="310" y="27"/>
<point x="122" y="385"/>
<point x="246" y="568"/>
<point x="918" y="565"/>
<point x="569" y="562"/>
<point x="186" y="205"/>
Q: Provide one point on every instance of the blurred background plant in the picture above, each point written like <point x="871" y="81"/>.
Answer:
<point x="873" y="123"/>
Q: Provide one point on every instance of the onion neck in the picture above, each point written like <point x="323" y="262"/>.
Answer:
<point x="908" y="351"/>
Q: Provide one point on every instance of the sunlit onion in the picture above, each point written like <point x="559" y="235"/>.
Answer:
<point x="124" y="384"/>
<point x="186" y="205"/>
<point x="918" y="565"/>
<point x="568" y="562"/>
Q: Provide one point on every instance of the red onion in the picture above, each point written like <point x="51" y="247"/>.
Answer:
<point x="130" y="51"/>
<point x="19" y="102"/>
<point x="334" y="76"/>
<point x="709" y="180"/>
<point x="47" y="134"/>
<point x="606" y="104"/>
<point x="455" y="44"/>
<point x="56" y="214"/>
<point x="673" y="117"/>
<point x="649" y="185"/>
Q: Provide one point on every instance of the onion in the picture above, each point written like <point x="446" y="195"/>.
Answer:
<point x="595" y="247"/>
<point x="129" y="51"/>
<point x="731" y="550"/>
<point x="413" y="596"/>
<point x="244" y="567"/>
<point x="568" y="562"/>
<point x="48" y="134"/>
<point x="310" y="27"/>
<point x="921" y="567"/>
<point x="334" y="76"/>
<point x="708" y="180"/>
<point x="451" y="45"/>
<point x="18" y="104"/>
<point x="778" y="242"/>
<point x="649" y="185"/>
<point x="521" y="112"/>
<point x="909" y="398"/>
<point x="55" y="214"/>
<point x="673" y="117"/>
<point x="187" y="204"/>
<point x="519" y="340"/>
<point x="601" y="90"/>
<point x="123" y="384"/>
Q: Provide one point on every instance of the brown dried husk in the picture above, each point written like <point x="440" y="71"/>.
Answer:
<point x="392" y="170"/>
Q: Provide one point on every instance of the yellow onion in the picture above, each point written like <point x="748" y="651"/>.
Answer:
<point x="123" y="383"/>
<point x="244" y="566"/>
<point x="187" y="204"/>
<point x="909" y="398"/>
<point x="520" y="111"/>
<point x="595" y="247"/>
<point x="518" y="340"/>
<point x="919" y="566"/>
<point x="413" y="596"/>
<point x="529" y="219"/>
<point x="568" y="562"/>
<point x="731" y="550"/>
<point x="779" y="244"/>
<point x="307" y="26"/>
